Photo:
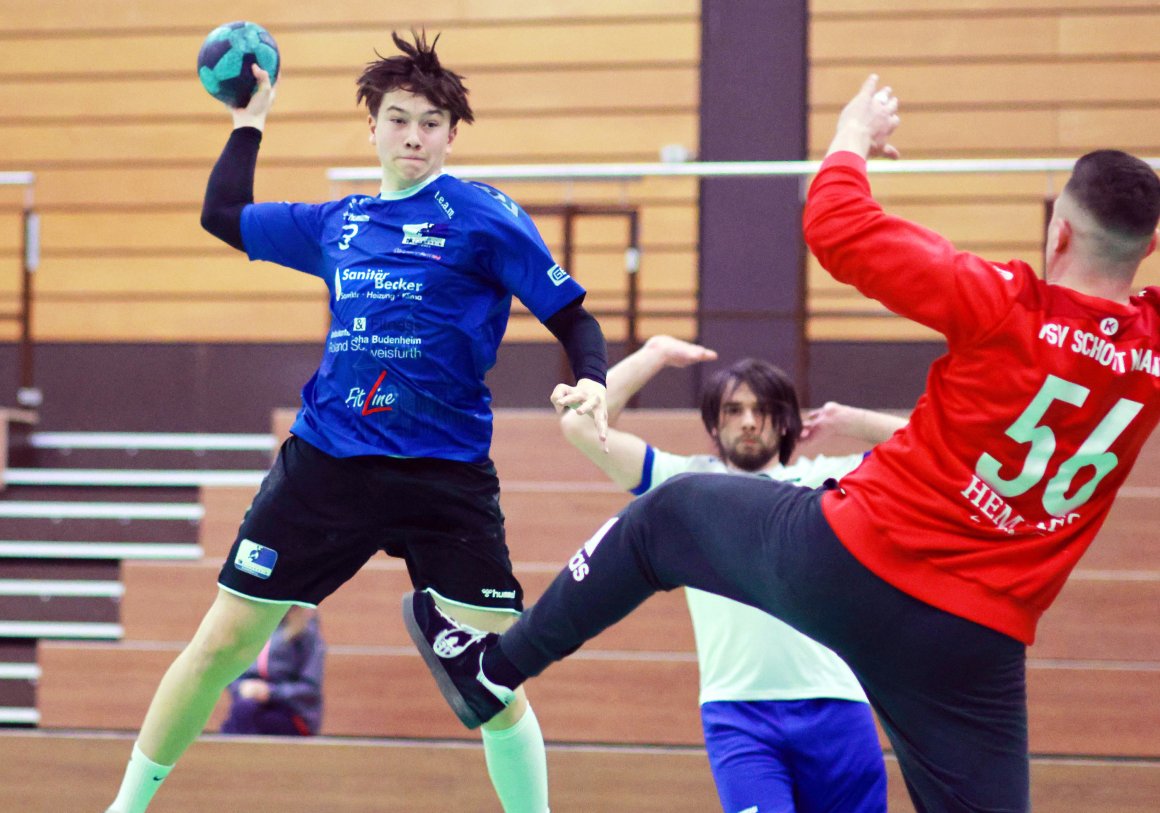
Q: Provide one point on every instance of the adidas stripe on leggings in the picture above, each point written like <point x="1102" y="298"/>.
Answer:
<point x="950" y="693"/>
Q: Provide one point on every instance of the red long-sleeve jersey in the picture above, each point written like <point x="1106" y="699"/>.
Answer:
<point x="1028" y="426"/>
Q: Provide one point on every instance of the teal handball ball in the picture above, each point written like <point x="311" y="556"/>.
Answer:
<point x="224" y="63"/>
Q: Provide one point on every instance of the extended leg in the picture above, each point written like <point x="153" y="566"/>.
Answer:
<point x="714" y="532"/>
<point x="229" y="639"/>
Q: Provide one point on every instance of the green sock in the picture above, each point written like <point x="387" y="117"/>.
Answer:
<point x="143" y="777"/>
<point x="518" y="765"/>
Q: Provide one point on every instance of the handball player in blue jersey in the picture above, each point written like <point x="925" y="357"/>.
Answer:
<point x="390" y="450"/>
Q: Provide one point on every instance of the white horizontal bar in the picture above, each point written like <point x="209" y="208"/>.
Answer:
<point x="151" y="440"/>
<point x="19" y="671"/>
<point x="16" y="714"/>
<point x="71" y="588"/>
<point x="17" y="178"/>
<point x="101" y="510"/>
<point x="59" y="629"/>
<point x="1080" y="574"/>
<point x="1145" y="492"/>
<point x="133" y="477"/>
<point x="99" y="550"/>
<point x="722" y="169"/>
<point x="563" y="487"/>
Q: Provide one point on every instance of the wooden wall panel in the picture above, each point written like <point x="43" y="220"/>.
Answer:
<point x="68" y="188"/>
<point x="496" y="91"/>
<point x="961" y="133"/>
<point x="11" y="230"/>
<point x="559" y="137"/>
<point x="104" y="105"/>
<point x="991" y="84"/>
<point x="885" y="39"/>
<point x="178" y="232"/>
<point x="515" y="44"/>
<point x="66" y="15"/>
<point x="224" y="319"/>
<point x="1109" y="31"/>
<point x="836" y="8"/>
<point x="982" y="78"/>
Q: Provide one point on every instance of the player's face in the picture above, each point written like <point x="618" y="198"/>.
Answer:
<point x="747" y="436"/>
<point x="412" y="138"/>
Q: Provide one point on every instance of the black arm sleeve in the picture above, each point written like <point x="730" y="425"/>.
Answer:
<point x="231" y="187"/>
<point x="583" y="340"/>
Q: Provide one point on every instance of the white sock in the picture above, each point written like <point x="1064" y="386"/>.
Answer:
<point x="518" y="765"/>
<point x="142" y="779"/>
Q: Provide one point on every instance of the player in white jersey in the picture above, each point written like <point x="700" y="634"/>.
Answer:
<point x="787" y="726"/>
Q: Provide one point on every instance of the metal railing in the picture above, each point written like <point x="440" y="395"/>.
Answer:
<point x="721" y="169"/>
<point x="27" y="395"/>
<point x="635" y="172"/>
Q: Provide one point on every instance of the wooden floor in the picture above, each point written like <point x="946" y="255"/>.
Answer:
<point x="75" y="772"/>
<point x="1093" y="676"/>
<point x="42" y="772"/>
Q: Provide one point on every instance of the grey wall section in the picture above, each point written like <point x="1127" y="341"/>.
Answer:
<point x="888" y="375"/>
<point x="233" y="387"/>
<point x="166" y="387"/>
<point x="753" y="108"/>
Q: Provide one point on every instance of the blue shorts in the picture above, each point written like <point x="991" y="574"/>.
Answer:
<point x="808" y="756"/>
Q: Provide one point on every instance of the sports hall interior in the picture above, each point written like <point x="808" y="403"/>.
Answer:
<point x="140" y="344"/>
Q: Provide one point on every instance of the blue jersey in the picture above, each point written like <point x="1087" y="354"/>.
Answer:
<point x="420" y="294"/>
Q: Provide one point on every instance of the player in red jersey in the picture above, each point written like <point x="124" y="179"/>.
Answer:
<point x="928" y="567"/>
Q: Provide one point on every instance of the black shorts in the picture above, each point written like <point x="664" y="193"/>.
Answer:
<point x="317" y="519"/>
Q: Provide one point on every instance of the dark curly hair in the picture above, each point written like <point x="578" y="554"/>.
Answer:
<point x="775" y="394"/>
<point x="416" y="70"/>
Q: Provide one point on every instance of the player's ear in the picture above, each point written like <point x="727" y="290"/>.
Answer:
<point x="372" y="124"/>
<point x="1063" y="235"/>
<point x="454" y="131"/>
<point x="1152" y="242"/>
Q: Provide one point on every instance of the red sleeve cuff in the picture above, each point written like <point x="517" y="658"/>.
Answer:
<point x="845" y="158"/>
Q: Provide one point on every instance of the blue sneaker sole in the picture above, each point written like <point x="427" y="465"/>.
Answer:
<point x="435" y="665"/>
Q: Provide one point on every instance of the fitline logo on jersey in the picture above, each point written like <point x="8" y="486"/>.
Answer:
<point x="374" y="401"/>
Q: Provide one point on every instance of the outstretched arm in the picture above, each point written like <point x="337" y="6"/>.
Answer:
<point x="915" y="272"/>
<point x="622" y="458"/>
<point x="867" y="122"/>
<point x="231" y="183"/>
<point x="583" y="341"/>
<point x="838" y="420"/>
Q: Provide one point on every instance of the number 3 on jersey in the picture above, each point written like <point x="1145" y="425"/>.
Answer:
<point x="1092" y="452"/>
<point x="348" y="233"/>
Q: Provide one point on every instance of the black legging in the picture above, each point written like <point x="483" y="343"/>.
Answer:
<point x="950" y="693"/>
